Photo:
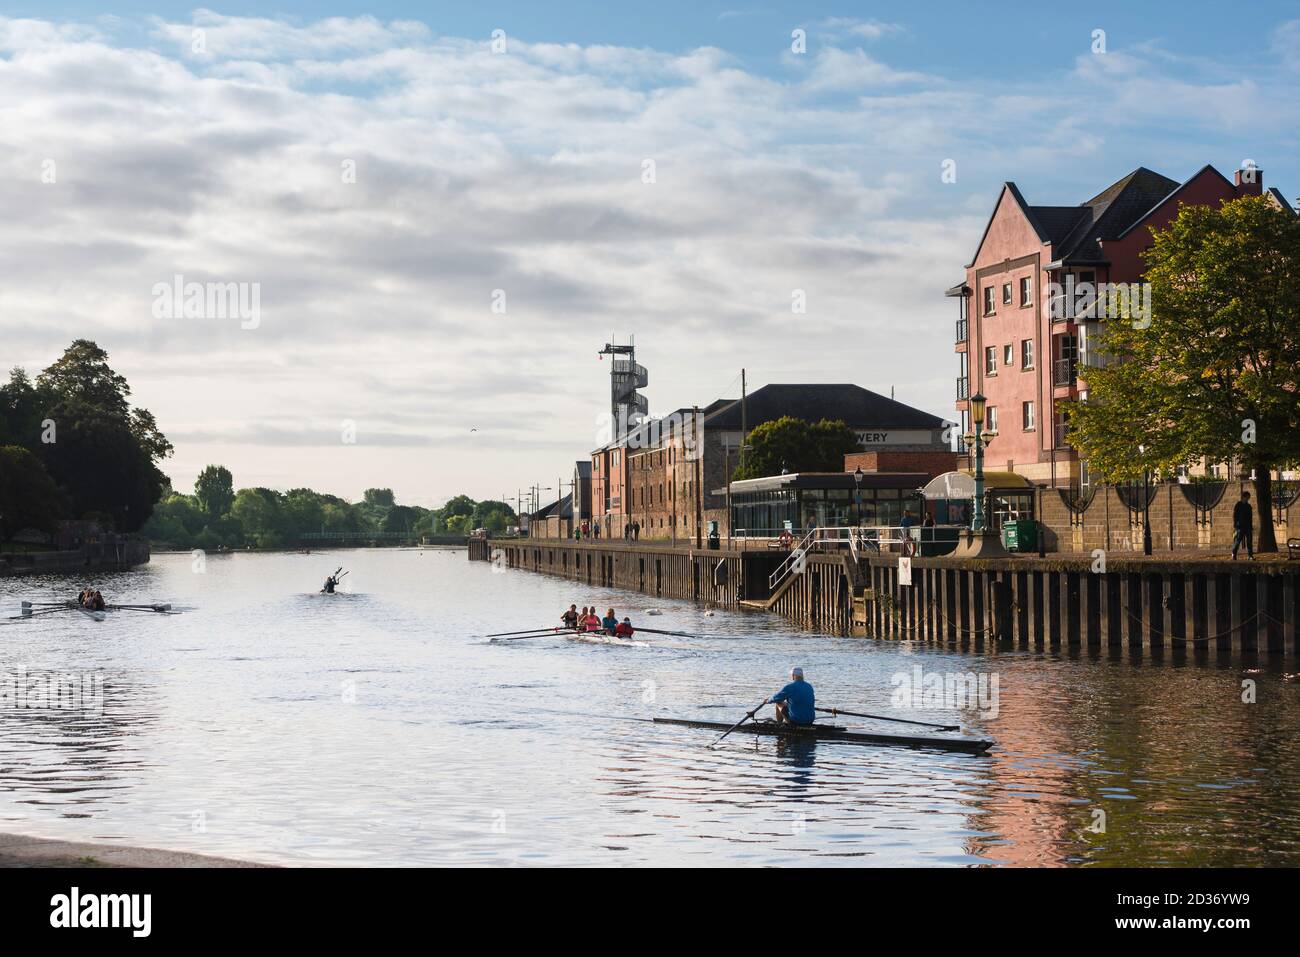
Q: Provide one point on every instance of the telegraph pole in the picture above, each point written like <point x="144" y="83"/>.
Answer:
<point x="699" y="494"/>
<point x="744" y="431"/>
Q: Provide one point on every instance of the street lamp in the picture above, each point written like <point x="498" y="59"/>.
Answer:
<point x="858" y="476"/>
<point x="1146" y="503"/>
<point x="977" y="439"/>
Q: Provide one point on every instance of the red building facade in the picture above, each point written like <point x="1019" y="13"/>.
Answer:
<point x="1019" y="348"/>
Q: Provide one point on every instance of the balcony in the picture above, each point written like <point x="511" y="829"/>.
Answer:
<point x="963" y="329"/>
<point x="1062" y="435"/>
<point x="963" y="388"/>
<point x="1064" y="372"/>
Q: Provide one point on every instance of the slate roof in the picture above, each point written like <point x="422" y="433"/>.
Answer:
<point x="858" y="407"/>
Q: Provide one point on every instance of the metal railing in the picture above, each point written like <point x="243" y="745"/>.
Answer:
<point x="963" y="329"/>
<point x="1064" y="372"/>
<point x="1062" y="435"/>
<point x="963" y="388"/>
<point x="857" y="538"/>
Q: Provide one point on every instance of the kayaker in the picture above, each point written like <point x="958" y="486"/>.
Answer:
<point x="328" y="587"/>
<point x="610" y="622"/>
<point x="624" y="629"/>
<point x="570" y="618"/>
<point x="795" y="703"/>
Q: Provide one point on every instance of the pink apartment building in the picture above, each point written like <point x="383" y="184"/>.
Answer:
<point x="1023" y="355"/>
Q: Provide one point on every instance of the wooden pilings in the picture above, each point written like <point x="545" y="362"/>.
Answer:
<point x="1058" y="605"/>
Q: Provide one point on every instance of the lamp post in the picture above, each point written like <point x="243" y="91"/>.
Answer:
<point x="1146" y="503"/>
<point x="977" y="439"/>
<point x="858" y="476"/>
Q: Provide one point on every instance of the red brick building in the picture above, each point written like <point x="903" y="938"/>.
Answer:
<point x="1023" y="354"/>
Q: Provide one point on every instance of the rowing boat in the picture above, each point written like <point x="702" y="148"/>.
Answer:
<point x="830" y="732"/>
<point x="601" y="638"/>
<point x="92" y="613"/>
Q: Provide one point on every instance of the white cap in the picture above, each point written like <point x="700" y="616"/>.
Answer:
<point x="796" y="672"/>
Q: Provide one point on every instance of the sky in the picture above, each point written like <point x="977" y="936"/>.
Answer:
<point x="440" y="230"/>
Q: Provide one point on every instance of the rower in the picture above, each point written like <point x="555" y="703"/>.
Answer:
<point x="591" y="622"/>
<point x="570" y="618"/>
<point x="625" y="629"/>
<point x="610" y="622"/>
<point x="795" y="703"/>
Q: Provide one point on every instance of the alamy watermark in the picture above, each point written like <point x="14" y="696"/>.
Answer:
<point x="179" y="299"/>
<point x="52" y="691"/>
<point x="635" y="431"/>
<point x="945" y="691"/>
<point x="1100" y="300"/>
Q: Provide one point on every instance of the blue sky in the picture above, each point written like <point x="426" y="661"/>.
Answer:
<point x="523" y="172"/>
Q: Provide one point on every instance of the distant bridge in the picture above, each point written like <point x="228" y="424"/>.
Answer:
<point x="338" y="539"/>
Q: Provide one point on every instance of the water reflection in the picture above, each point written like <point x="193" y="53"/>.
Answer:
<point x="374" y="728"/>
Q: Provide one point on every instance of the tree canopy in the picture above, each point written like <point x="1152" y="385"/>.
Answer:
<point x="794" y="445"/>
<point x="1215" y="376"/>
<point x="77" y="420"/>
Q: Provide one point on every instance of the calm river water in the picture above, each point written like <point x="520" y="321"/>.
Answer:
<point x="271" y="723"/>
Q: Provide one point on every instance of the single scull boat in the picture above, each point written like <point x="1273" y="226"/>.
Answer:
<point x="830" y="732"/>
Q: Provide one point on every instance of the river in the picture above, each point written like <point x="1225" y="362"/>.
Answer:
<point x="271" y="723"/>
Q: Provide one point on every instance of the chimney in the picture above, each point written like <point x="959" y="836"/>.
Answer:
<point x="1249" y="180"/>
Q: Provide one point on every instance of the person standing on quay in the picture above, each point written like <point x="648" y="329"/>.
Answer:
<point x="1243" y="526"/>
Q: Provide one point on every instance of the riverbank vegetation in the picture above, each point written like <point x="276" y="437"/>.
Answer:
<point x="217" y="516"/>
<point x="72" y="447"/>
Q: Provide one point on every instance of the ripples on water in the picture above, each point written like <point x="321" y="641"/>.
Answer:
<point x="272" y="723"/>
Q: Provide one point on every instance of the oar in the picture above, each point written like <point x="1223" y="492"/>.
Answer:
<point x="542" y="634"/>
<point x="524" y="631"/>
<point x="28" y="613"/>
<point x="739" y="723"/>
<point x="881" y="717"/>
<point x="676" y="634"/>
<point x="154" y="607"/>
<point x="49" y="604"/>
<point x="339" y="578"/>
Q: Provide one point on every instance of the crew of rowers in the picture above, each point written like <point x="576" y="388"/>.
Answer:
<point x="588" y="620"/>
<point x="91" y="600"/>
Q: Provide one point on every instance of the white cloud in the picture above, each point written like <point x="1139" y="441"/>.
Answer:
<point x="478" y="171"/>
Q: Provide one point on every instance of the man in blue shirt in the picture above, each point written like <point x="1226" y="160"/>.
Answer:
<point x="795" y="702"/>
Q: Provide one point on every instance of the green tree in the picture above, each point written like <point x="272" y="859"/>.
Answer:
<point x="793" y="445"/>
<point x="104" y="454"/>
<point x="28" y="496"/>
<point x="381" y="497"/>
<point x="260" y="514"/>
<point x="1215" y="376"/>
<point x="215" y="491"/>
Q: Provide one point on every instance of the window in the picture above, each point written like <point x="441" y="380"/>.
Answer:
<point x="1026" y="353"/>
<point x="1008" y="355"/>
<point x="1026" y="290"/>
<point x="1027" y="412"/>
<point x="988" y="300"/>
<point x="990" y="360"/>
<point x="991" y="418"/>
<point x="1006" y="294"/>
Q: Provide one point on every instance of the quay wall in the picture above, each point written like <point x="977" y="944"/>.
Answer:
<point x="94" y="556"/>
<point x="1144" y="606"/>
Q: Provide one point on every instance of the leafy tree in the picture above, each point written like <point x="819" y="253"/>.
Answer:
<point x="260" y="514"/>
<point x="215" y="490"/>
<point x="28" y="496"/>
<point x="104" y="455"/>
<point x="400" y="518"/>
<point x="795" y="446"/>
<point x="1216" y="374"/>
<point x="382" y="497"/>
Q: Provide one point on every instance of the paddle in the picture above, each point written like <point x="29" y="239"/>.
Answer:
<point x="739" y="723"/>
<point x="881" y="717"/>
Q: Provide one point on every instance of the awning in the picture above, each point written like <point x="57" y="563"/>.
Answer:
<point x="961" y="484"/>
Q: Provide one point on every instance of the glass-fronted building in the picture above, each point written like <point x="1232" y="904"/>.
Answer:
<point x="766" y="506"/>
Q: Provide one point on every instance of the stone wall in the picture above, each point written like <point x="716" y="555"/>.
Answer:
<point x="1107" y="522"/>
